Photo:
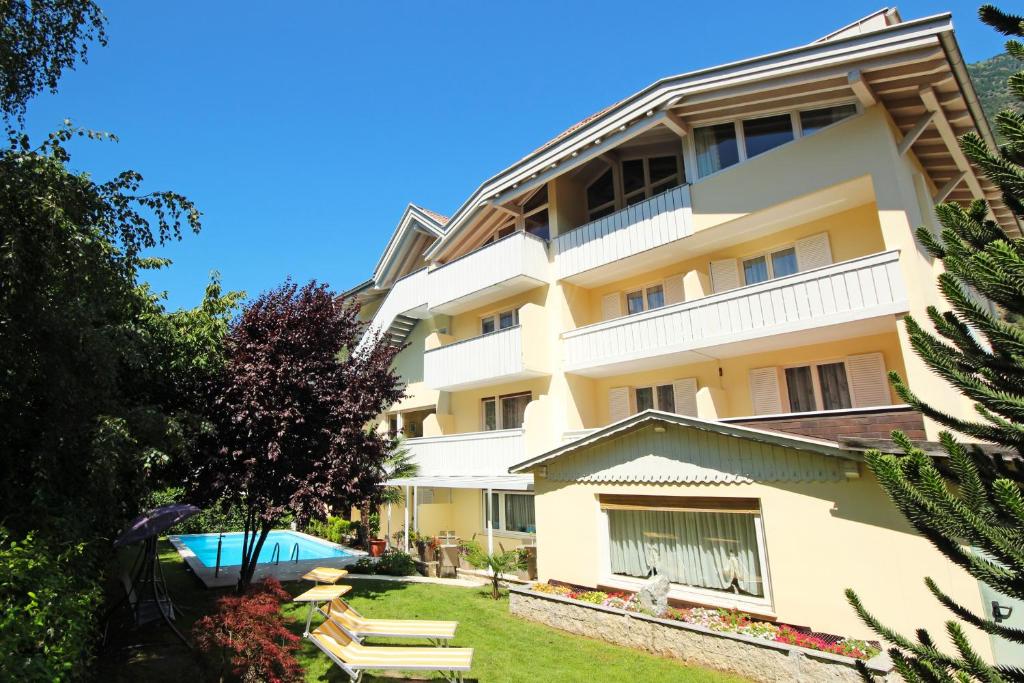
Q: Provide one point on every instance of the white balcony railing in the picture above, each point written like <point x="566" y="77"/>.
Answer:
<point x="509" y="266"/>
<point x="407" y="297"/>
<point x="652" y="223"/>
<point x="489" y="359"/>
<point x="477" y="454"/>
<point x="818" y="305"/>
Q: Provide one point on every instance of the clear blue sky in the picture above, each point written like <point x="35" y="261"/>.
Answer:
<point x="303" y="129"/>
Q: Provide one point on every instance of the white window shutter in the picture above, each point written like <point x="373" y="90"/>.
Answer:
<point x="674" y="290"/>
<point x="620" y="403"/>
<point x="813" y="252"/>
<point x="869" y="385"/>
<point x="764" y="391"/>
<point x="611" y="306"/>
<point x="725" y="275"/>
<point x="684" y="392"/>
<point x="425" y="495"/>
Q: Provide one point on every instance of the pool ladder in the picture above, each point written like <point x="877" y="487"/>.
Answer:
<point x="275" y="557"/>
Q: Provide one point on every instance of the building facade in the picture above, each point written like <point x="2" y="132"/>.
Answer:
<point x="674" y="321"/>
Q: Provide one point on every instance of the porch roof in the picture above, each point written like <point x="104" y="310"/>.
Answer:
<point x="505" y="482"/>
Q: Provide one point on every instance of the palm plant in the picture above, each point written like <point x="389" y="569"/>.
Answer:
<point x="496" y="564"/>
<point x="399" y="464"/>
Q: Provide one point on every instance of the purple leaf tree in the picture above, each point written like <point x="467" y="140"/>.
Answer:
<point x="292" y="410"/>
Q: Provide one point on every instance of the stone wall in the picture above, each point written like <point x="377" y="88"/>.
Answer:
<point x="865" y="424"/>
<point x="756" y="659"/>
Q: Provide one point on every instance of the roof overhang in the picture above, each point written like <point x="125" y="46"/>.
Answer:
<point x="649" y="417"/>
<point x="840" y="55"/>
<point x="504" y="482"/>
<point x="414" y="222"/>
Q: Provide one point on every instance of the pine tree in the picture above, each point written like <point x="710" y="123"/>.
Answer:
<point x="971" y="505"/>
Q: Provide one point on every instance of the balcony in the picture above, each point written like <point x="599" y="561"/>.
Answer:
<point x="477" y="454"/>
<point x="406" y="302"/>
<point x="603" y="248"/>
<point x="494" y="358"/>
<point x="512" y="265"/>
<point x="849" y="299"/>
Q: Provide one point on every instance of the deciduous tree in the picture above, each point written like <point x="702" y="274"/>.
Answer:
<point x="292" y="412"/>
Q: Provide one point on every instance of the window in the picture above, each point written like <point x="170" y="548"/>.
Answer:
<point x="769" y="266"/>
<point x="510" y="512"/>
<point x="721" y="145"/>
<point x="818" y="386"/>
<point x="711" y="544"/>
<point x="816" y="119"/>
<point x="761" y="135"/>
<point x="535" y="212"/>
<point x="392" y="426"/>
<point x="643" y="178"/>
<point x="717" y="147"/>
<point x="660" y="397"/>
<point x="645" y="299"/>
<point x="504" y="412"/>
<point x="499" y="321"/>
<point x="601" y="196"/>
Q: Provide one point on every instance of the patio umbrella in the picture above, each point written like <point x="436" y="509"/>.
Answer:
<point x="153" y="522"/>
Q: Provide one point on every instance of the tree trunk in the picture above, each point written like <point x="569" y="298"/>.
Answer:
<point x="364" y="519"/>
<point x="250" y="556"/>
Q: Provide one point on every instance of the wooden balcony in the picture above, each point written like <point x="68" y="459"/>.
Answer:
<point x="513" y="264"/>
<point x="603" y="248"/>
<point x="476" y="454"/>
<point x="490" y="359"/>
<point x="852" y="298"/>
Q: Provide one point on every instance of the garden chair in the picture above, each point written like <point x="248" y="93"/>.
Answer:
<point x="359" y="627"/>
<point x="354" y="658"/>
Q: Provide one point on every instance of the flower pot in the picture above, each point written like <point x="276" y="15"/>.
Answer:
<point x="377" y="546"/>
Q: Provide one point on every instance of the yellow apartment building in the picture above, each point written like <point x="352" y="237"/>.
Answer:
<point x="659" y="342"/>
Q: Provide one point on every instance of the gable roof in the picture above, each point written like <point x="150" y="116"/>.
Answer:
<point x="655" y="417"/>
<point x="415" y="221"/>
<point x="844" y="50"/>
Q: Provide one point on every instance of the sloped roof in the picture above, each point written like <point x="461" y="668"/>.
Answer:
<point x="654" y="417"/>
<point x="415" y="220"/>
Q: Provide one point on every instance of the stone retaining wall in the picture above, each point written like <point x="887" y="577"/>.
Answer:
<point x="756" y="659"/>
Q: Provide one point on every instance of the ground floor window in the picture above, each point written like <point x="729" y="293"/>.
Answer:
<point x="510" y="512"/>
<point x="711" y="544"/>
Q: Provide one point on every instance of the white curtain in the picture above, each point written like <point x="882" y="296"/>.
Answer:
<point x="707" y="151"/>
<point x="714" y="550"/>
<point x="519" y="513"/>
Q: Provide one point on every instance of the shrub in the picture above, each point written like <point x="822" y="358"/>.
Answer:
<point x="214" y="518"/>
<point x="335" y="529"/>
<point x="48" y="605"/>
<point x="391" y="563"/>
<point x="248" y="633"/>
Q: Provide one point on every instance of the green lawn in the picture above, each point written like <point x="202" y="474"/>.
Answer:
<point x="507" y="648"/>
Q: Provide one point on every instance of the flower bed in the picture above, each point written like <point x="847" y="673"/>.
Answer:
<point x="721" y="621"/>
<point x="718" y="639"/>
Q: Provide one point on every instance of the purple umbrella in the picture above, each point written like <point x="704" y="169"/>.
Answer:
<point x="153" y="522"/>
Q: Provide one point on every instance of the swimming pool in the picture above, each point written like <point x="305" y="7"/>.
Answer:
<point x="204" y="547"/>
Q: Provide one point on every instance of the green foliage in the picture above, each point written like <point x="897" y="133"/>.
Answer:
<point x="334" y="529"/>
<point x="501" y="562"/>
<point x="219" y="516"/>
<point x="42" y="38"/>
<point x="392" y="563"/>
<point x="48" y="603"/>
<point x="972" y="509"/>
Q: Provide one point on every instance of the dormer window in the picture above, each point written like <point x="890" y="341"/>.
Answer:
<point x="642" y="178"/>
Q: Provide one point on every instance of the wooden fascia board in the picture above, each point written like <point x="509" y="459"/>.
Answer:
<point x="900" y="37"/>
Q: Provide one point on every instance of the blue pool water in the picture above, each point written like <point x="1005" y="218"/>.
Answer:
<point x="205" y="548"/>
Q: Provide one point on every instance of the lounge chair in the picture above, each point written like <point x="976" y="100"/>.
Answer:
<point x="353" y="657"/>
<point x="360" y="627"/>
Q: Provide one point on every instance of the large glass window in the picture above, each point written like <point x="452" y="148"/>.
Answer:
<point x="710" y="550"/>
<point x="535" y="211"/>
<point x="818" y="386"/>
<point x="816" y="119"/>
<point x="511" y="512"/>
<point x="660" y="397"/>
<point x="767" y="133"/>
<point x="601" y="196"/>
<point x="716" y="147"/>
<point x="769" y="266"/>
<point x="504" y="412"/>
